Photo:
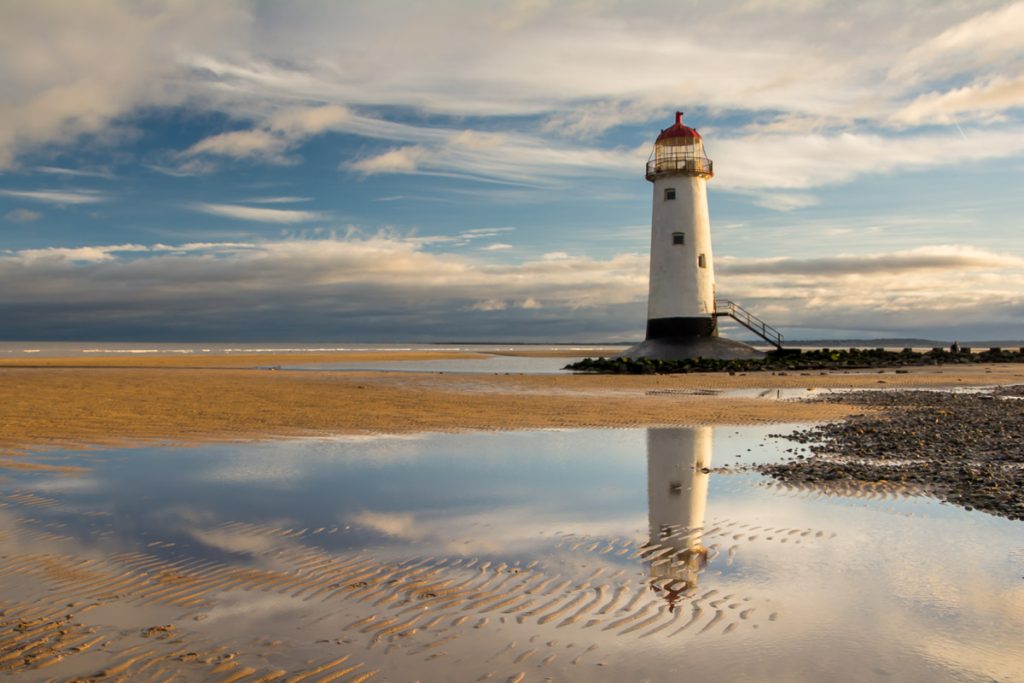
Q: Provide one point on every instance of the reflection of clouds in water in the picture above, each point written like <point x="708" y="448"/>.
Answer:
<point x="63" y="485"/>
<point x="234" y="542"/>
<point x="251" y="606"/>
<point x="928" y="597"/>
<point x="398" y="525"/>
<point x="512" y="530"/>
<point x="885" y="578"/>
<point x="286" y="462"/>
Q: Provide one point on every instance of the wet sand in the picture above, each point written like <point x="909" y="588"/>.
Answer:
<point x="153" y="612"/>
<point x="73" y="403"/>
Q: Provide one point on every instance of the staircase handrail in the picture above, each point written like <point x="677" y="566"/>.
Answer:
<point x="748" y="320"/>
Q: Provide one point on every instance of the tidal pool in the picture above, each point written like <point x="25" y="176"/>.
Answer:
<point x="581" y="555"/>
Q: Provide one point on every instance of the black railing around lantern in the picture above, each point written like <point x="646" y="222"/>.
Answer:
<point x="687" y="164"/>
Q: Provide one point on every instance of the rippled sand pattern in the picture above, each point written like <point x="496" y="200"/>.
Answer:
<point x="74" y="614"/>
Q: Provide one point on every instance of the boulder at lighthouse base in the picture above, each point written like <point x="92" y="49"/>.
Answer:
<point x="670" y="348"/>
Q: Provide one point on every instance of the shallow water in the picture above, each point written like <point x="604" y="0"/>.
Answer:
<point x="607" y="555"/>
<point x="28" y="349"/>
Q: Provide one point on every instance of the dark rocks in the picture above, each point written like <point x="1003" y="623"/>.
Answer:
<point x="964" y="448"/>
<point x="797" y="360"/>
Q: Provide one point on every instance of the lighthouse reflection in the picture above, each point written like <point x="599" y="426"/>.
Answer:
<point x="677" y="496"/>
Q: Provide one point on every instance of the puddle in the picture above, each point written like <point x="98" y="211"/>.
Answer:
<point x="588" y="555"/>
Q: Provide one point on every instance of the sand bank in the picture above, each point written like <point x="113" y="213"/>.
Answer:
<point x="102" y="405"/>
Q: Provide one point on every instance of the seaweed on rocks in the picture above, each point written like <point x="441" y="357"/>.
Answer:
<point x="964" y="448"/>
<point x="796" y="359"/>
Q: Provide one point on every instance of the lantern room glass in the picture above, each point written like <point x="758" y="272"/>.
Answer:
<point x="679" y="155"/>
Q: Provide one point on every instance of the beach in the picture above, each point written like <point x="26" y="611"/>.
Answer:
<point x="262" y="517"/>
<point x="75" y="402"/>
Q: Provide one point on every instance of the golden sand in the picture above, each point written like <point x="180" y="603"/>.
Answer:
<point x="154" y="399"/>
<point x="63" y="623"/>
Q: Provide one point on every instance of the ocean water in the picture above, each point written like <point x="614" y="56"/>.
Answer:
<point x="21" y="349"/>
<point x="579" y="555"/>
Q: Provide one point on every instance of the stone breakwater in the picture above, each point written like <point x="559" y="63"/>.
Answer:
<point x="964" y="448"/>
<point x="796" y="360"/>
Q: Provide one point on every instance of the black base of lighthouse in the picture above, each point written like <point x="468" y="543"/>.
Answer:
<point x="681" y="328"/>
<point x="683" y="338"/>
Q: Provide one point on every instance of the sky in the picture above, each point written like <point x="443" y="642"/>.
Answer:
<point x="455" y="170"/>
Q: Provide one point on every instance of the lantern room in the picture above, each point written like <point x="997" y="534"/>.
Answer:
<point x="679" y="150"/>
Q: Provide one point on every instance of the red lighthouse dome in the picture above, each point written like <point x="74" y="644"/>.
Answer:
<point x="679" y="130"/>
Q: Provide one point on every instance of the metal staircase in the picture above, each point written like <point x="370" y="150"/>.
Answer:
<point x="759" y="327"/>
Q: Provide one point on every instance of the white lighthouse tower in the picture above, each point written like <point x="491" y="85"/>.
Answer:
<point x="681" y="310"/>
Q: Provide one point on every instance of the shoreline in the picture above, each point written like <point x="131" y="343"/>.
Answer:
<point x="158" y="400"/>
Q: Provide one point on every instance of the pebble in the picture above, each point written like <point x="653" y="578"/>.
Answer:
<point x="964" y="448"/>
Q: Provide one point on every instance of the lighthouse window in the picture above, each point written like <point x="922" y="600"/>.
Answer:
<point x="670" y="193"/>
<point x="702" y="261"/>
<point x="678" y="238"/>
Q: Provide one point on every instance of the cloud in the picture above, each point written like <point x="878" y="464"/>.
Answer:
<point x="993" y="96"/>
<point x="22" y="216"/>
<point x="280" y="133"/>
<point x="74" y="172"/>
<point x="74" y="70"/>
<point x="241" y="144"/>
<point x="284" y="76"/>
<point x="376" y="287"/>
<point x="951" y="290"/>
<point x="58" y="196"/>
<point x="76" y="254"/>
<point x="939" y="258"/>
<point x="257" y="214"/>
<point x="497" y="246"/>
<point x="490" y="305"/>
<point x="510" y="158"/>
<point x="802" y="161"/>
<point x="400" y="160"/>
<point x="784" y="201"/>
<point x="986" y="40"/>
<point x="390" y="287"/>
<point x="277" y="200"/>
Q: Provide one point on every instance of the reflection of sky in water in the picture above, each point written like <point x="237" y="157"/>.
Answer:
<point x="865" y="588"/>
<point x="490" y="365"/>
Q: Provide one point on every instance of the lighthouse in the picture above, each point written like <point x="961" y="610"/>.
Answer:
<point x="682" y="316"/>
<point x="678" y="460"/>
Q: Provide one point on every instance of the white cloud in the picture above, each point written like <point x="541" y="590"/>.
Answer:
<point x="281" y="132"/>
<point x="490" y="305"/>
<point x="285" y="76"/>
<point x="74" y="172"/>
<point x="22" y="216"/>
<point x="512" y="158"/>
<point x="951" y="286"/>
<point x="497" y="246"/>
<point x="277" y="200"/>
<point x="74" y="69"/>
<point x="258" y="214"/>
<point x="388" y="286"/>
<point x="58" y="196"/>
<point x="399" y="160"/>
<point x="801" y="161"/>
<point x="986" y="40"/>
<point x="76" y="254"/>
<point x="241" y="144"/>
<point x="992" y="97"/>
<point x="784" y="201"/>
